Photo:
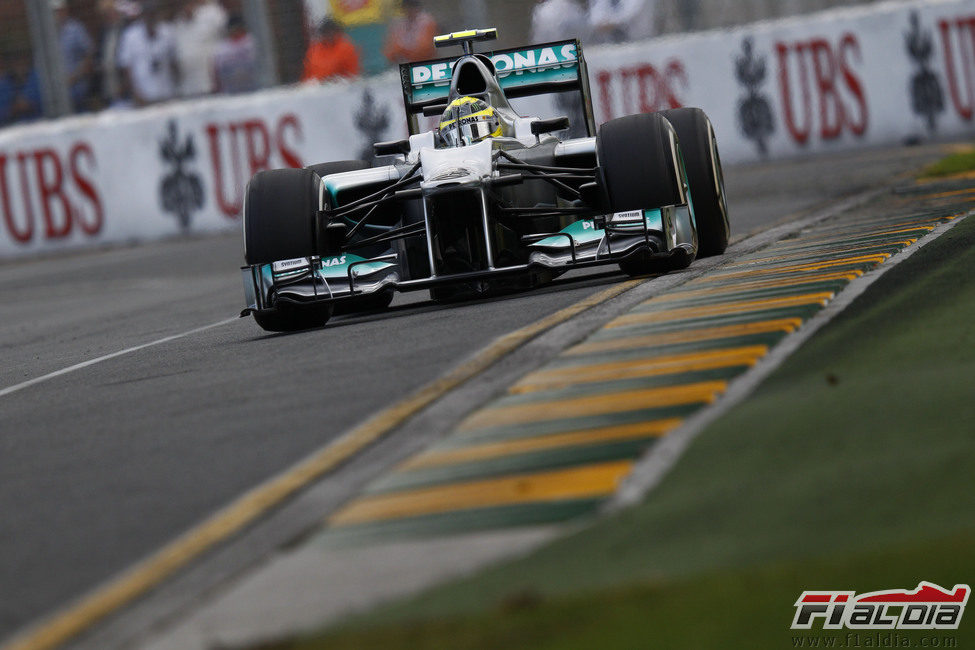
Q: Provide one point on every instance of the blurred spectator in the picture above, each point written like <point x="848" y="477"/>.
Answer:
<point x="116" y="15"/>
<point x="20" y="90"/>
<point x="410" y="36"/>
<point x="77" y="55"/>
<point x="331" y="54"/>
<point x="147" y="57"/>
<point x="617" y="21"/>
<point x="556" y="20"/>
<point x="235" y="59"/>
<point x="199" y="26"/>
<point x="688" y="10"/>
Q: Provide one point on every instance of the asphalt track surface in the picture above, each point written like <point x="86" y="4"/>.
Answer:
<point x="102" y="466"/>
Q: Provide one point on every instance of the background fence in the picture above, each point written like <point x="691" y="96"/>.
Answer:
<point x="59" y="57"/>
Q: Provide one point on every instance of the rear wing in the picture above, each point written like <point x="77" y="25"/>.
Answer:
<point x="522" y="72"/>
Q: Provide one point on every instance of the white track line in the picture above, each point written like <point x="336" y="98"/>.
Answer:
<point x="91" y="362"/>
<point x="661" y="457"/>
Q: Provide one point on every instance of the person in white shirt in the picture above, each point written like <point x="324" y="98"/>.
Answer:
<point x="556" y="20"/>
<point x="147" y="57"/>
<point x="618" y="21"/>
<point x="199" y="27"/>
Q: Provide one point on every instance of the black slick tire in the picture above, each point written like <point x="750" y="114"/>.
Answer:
<point x="637" y="160"/>
<point x="279" y="215"/>
<point x="279" y="224"/>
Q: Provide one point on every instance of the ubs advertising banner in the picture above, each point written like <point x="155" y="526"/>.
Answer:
<point x="878" y="75"/>
<point x="120" y="177"/>
<point x="881" y="74"/>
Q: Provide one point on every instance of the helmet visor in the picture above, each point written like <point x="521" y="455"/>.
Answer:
<point x="469" y="130"/>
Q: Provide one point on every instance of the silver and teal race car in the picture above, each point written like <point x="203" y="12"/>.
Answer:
<point x="489" y="200"/>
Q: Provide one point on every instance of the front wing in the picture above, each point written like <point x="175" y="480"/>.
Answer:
<point x="661" y="232"/>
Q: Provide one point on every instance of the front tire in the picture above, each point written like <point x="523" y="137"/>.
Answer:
<point x="279" y="215"/>
<point x="703" y="164"/>
<point x="637" y="156"/>
<point x="640" y="162"/>
<point x="280" y="207"/>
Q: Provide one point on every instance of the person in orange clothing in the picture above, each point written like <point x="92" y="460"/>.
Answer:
<point x="410" y="36"/>
<point x="332" y="54"/>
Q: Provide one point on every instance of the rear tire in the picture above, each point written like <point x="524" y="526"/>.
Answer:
<point x="279" y="224"/>
<point x="703" y="165"/>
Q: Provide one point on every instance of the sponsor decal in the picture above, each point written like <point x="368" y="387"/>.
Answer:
<point x="927" y="96"/>
<point x="756" y="120"/>
<point x="532" y="60"/>
<point x="929" y="607"/>
<point x="546" y="57"/>
<point x="633" y="216"/>
<point x="285" y="266"/>
<point x="338" y="266"/>
<point x="181" y="190"/>
<point x="582" y="232"/>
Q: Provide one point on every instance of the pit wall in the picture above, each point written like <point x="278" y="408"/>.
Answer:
<point x="867" y="76"/>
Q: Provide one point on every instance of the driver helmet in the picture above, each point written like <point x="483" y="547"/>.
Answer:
<point x="468" y="120"/>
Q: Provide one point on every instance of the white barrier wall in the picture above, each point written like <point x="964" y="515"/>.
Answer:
<point x="872" y="75"/>
<point x="839" y="80"/>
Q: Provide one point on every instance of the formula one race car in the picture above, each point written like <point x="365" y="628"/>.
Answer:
<point x="489" y="200"/>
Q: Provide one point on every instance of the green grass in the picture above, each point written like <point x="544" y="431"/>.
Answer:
<point x="723" y="609"/>
<point x="851" y="467"/>
<point x="956" y="163"/>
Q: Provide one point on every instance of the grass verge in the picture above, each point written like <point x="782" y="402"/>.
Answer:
<point x="960" y="162"/>
<point x="850" y="468"/>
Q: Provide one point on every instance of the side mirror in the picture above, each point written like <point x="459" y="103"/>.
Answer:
<point x="548" y="126"/>
<point x="392" y="148"/>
